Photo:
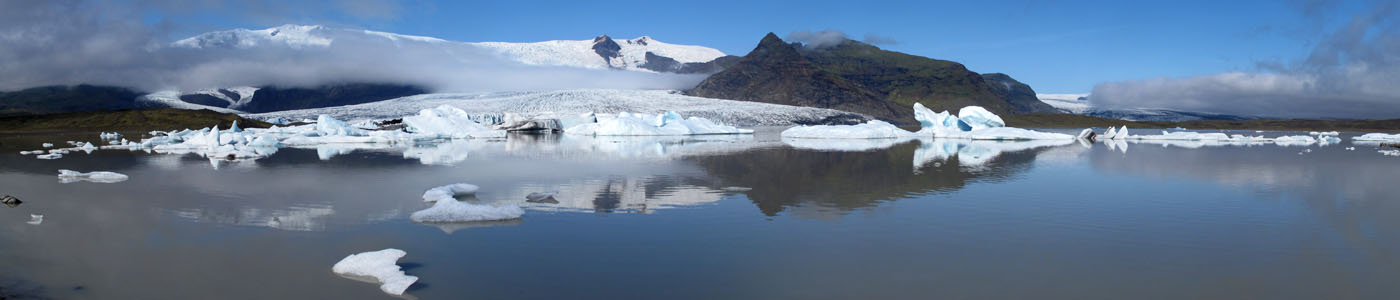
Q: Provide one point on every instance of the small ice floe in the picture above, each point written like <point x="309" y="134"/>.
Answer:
<point x="377" y="267"/>
<point x="1351" y="148"/>
<point x="542" y="197"/>
<point x="31" y="152"/>
<point x="10" y="201"/>
<point x="736" y="189"/>
<point x="1324" y="133"/>
<point x="668" y="123"/>
<point x="447" y="209"/>
<point x="36" y="219"/>
<point x="972" y="123"/>
<point x="47" y="145"/>
<point x="49" y="156"/>
<point x="110" y="135"/>
<point x="449" y="191"/>
<point x="1389" y="152"/>
<point x="1377" y="137"/>
<point x="67" y="176"/>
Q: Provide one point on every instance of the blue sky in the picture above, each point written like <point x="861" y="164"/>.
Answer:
<point x="1055" y="46"/>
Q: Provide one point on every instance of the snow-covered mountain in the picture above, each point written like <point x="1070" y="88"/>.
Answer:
<point x="603" y="52"/>
<point x="1079" y="104"/>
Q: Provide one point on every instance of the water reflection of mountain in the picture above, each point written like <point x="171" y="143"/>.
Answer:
<point x="784" y="177"/>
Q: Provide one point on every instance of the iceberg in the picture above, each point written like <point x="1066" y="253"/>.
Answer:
<point x="448" y="209"/>
<point x="977" y="124"/>
<point x="67" y="176"/>
<point x="378" y="267"/>
<point x="452" y="211"/>
<point x="50" y="156"/>
<point x="875" y="129"/>
<point x="328" y="126"/>
<point x="449" y="122"/>
<point x="447" y="192"/>
<point x="668" y="123"/>
<point x="1389" y="152"/>
<point x="1378" y="137"/>
<point x="976" y="117"/>
<point x="1294" y="140"/>
<point x="1324" y="133"/>
<point x="48" y="145"/>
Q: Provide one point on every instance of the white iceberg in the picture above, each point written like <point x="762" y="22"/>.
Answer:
<point x="979" y="124"/>
<point x="451" y="211"/>
<point x="976" y="117"/>
<point x="1377" y="137"/>
<point x="447" y="192"/>
<point x="50" y="156"/>
<point x="668" y="123"/>
<point x="1324" y="133"/>
<point x="99" y="176"/>
<point x="380" y="266"/>
<point x="1389" y="152"/>
<point x="48" y="145"/>
<point x="449" y="122"/>
<point x="1295" y="140"/>
<point x="328" y="126"/>
<point x="874" y="129"/>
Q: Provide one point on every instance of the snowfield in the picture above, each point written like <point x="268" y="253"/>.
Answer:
<point x="563" y="53"/>
<point x="489" y="108"/>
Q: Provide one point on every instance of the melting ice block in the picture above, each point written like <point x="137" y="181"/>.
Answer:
<point x="380" y="266"/>
<point x="447" y="192"/>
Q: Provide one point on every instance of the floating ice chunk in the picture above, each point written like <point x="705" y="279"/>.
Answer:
<point x="1328" y="140"/>
<point x="48" y="145"/>
<point x="50" y="156"/>
<point x="109" y="135"/>
<point x="976" y="117"/>
<point x="1324" y="133"/>
<point x="874" y="129"/>
<point x="450" y="210"/>
<point x="542" y="197"/>
<point x="1377" y="137"/>
<point x="87" y="147"/>
<point x="1294" y="140"/>
<point x="1109" y="134"/>
<point x="380" y="266"/>
<point x="10" y="201"/>
<point x="35" y="219"/>
<point x="1389" y="152"/>
<point x="449" y="122"/>
<point x="328" y="126"/>
<point x="1085" y="134"/>
<point x="99" y="176"/>
<point x="447" y="192"/>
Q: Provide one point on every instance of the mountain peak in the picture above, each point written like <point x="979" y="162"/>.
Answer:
<point x="771" y="38"/>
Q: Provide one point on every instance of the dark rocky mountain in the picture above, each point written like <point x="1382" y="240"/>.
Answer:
<point x="66" y="99"/>
<point x="666" y="64"/>
<point x="270" y="99"/>
<point x="862" y="78"/>
<point x="775" y="72"/>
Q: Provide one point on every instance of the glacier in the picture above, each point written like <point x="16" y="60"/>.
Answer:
<point x="377" y="267"/>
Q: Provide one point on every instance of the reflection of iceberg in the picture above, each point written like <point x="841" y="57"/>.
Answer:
<point x="69" y="176"/>
<point x="973" y="153"/>
<point x="450" y="228"/>
<point x="617" y="195"/>
<point x="296" y="218"/>
<point x="843" y="144"/>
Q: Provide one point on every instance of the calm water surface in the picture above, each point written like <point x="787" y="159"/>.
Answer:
<point x="651" y="218"/>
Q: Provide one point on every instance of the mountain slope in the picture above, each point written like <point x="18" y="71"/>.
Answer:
<point x="774" y="72"/>
<point x="863" y="78"/>
<point x="66" y="99"/>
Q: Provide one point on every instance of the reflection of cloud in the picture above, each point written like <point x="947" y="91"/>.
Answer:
<point x="974" y="153"/>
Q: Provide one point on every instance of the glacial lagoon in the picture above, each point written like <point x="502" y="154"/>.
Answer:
<point x="716" y="217"/>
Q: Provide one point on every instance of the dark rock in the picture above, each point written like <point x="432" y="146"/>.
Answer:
<point x="538" y="197"/>
<point x="10" y="201"/>
<point x="607" y="48"/>
<point x="203" y="99"/>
